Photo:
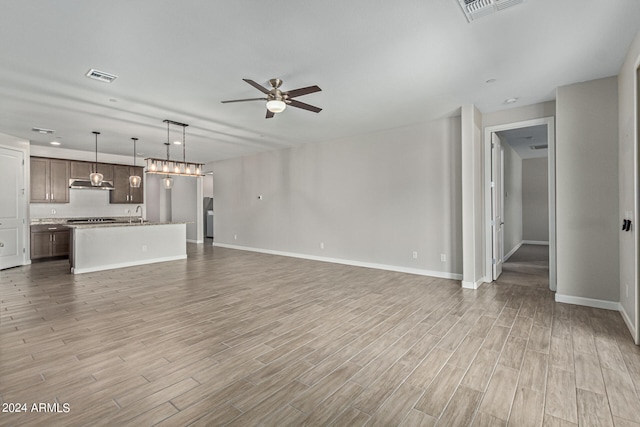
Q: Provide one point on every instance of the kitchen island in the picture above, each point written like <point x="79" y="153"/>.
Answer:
<point x="96" y="247"/>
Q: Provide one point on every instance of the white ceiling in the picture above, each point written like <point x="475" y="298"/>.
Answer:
<point x="380" y="65"/>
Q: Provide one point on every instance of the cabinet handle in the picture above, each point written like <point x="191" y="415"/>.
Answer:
<point x="54" y="237"/>
<point x="46" y="196"/>
<point x="52" y="228"/>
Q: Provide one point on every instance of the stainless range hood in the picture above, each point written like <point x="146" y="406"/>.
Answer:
<point x="86" y="185"/>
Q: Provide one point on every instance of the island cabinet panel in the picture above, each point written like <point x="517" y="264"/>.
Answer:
<point x="49" y="180"/>
<point x="122" y="192"/>
<point x="49" y="241"/>
<point x="82" y="170"/>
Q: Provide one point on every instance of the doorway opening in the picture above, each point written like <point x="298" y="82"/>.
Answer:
<point x="520" y="202"/>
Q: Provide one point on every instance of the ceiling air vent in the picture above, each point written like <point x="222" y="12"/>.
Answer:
<point x="539" y="147"/>
<point x="42" y="130"/>
<point x="474" y="9"/>
<point x="100" y="76"/>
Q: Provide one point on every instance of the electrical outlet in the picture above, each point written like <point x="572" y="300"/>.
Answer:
<point x="260" y="197"/>
<point x="321" y="245"/>
<point x="415" y="254"/>
<point x="443" y="257"/>
<point x="53" y="211"/>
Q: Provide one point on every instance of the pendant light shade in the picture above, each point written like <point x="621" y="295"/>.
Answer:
<point x="96" y="177"/>
<point x="134" y="180"/>
<point x="167" y="181"/>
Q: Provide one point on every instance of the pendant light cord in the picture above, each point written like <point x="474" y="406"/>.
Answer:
<point x="96" y="164"/>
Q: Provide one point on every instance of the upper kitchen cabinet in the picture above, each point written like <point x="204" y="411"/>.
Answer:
<point x="122" y="191"/>
<point x="82" y="170"/>
<point x="49" y="180"/>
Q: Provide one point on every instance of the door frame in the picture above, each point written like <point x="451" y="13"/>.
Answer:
<point x="23" y="147"/>
<point x="497" y="204"/>
<point x="488" y="235"/>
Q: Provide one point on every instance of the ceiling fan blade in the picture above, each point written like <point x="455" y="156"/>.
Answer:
<point x="243" y="100"/>
<point x="257" y="86"/>
<point x="304" y="106"/>
<point x="270" y="114"/>
<point x="302" y="91"/>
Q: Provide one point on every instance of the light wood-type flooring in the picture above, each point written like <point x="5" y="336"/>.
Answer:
<point x="238" y="338"/>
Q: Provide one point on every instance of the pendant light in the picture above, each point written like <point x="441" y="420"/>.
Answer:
<point x="168" y="167"/>
<point x="134" y="180"/>
<point x="168" y="180"/>
<point x="96" y="177"/>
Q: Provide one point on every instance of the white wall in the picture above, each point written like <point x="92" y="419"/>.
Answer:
<point x="207" y="186"/>
<point x="472" y="215"/>
<point x="158" y="199"/>
<point x="371" y="199"/>
<point x="628" y="184"/>
<point x="512" y="199"/>
<point x="519" y="114"/>
<point x="186" y="205"/>
<point x="535" y="200"/>
<point x="587" y="193"/>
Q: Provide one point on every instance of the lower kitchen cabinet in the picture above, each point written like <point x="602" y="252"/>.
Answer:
<point x="49" y="241"/>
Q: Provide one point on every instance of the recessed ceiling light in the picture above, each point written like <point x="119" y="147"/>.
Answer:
<point x="54" y="143"/>
<point x="510" y="100"/>
<point x="42" y="130"/>
<point x="101" y="76"/>
<point x="177" y="142"/>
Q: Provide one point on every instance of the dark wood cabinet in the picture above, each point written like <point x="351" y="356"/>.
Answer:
<point x="49" y="241"/>
<point x="82" y="170"/>
<point x="49" y="180"/>
<point x="122" y="192"/>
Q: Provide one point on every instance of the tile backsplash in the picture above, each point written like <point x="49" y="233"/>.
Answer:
<point x="83" y="203"/>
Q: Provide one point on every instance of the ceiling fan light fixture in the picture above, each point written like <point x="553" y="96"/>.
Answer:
<point x="276" y="105"/>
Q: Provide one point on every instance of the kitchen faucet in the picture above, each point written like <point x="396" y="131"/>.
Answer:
<point x="129" y="211"/>
<point x="140" y="207"/>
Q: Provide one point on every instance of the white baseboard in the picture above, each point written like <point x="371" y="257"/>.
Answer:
<point x="399" y="269"/>
<point x="627" y="320"/>
<point x="512" y="251"/>
<point x="194" y="241"/>
<point x="588" y="302"/>
<point x="126" y="264"/>
<point x="472" y="285"/>
<point x="535" y="242"/>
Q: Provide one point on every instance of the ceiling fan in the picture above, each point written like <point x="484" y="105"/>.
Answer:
<point x="278" y="100"/>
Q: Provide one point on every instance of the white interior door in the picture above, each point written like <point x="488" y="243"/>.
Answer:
<point x="12" y="210"/>
<point x="497" y="204"/>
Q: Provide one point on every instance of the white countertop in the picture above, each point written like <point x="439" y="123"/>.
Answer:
<point x="120" y="224"/>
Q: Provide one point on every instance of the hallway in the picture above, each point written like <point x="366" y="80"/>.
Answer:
<point x="528" y="266"/>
